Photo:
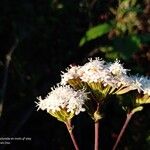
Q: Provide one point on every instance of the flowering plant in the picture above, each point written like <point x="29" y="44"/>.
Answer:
<point x="89" y="87"/>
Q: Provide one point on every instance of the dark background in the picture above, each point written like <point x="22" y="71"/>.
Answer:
<point x="49" y="33"/>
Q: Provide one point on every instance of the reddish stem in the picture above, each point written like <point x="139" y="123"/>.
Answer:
<point x="69" y="127"/>
<point x="129" y="115"/>
<point x="97" y="118"/>
<point x="96" y="144"/>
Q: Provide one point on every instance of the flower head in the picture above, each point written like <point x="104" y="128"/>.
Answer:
<point x="72" y="73"/>
<point x="136" y="83"/>
<point x="117" y="69"/>
<point x="146" y="85"/>
<point x="144" y="95"/>
<point x="65" y="100"/>
<point x="93" y="71"/>
<point x="102" y="76"/>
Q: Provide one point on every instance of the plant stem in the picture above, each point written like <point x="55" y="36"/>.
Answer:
<point x="6" y="71"/>
<point x="96" y="144"/>
<point x="69" y="127"/>
<point x="97" y="118"/>
<point x="128" y="118"/>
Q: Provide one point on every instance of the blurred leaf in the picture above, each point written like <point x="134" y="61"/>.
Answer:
<point x="148" y="139"/>
<point x="136" y="39"/>
<point x="95" y="32"/>
<point x="145" y="38"/>
<point x="126" y="46"/>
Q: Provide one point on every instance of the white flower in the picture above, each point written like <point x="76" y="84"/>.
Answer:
<point x="72" y="73"/>
<point x="146" y="85"/>
<point x="140" y="83"/>
<point x="112" y="74"/>
<point x="41" y="104"/>
<point x="136" y="83"/>
<point x="117" y="82"/>
<point x="117" y="69"/>
<point x="63" y="97"/>
<point x="93" y="71"/>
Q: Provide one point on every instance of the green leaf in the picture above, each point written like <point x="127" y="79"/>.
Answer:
<point x="145" y="38"/>
<point x="95" y="32"/>
<point x="126" y="46"/>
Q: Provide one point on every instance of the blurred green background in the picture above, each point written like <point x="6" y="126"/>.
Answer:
<point x="51" y="35"/>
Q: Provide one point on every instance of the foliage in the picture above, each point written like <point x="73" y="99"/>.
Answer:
<point x="95" y="32"/>
<point x="123" y="37"/>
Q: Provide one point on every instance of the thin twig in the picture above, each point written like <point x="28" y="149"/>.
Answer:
<point x="69" y="127"/>
<point x="5" y="79"/>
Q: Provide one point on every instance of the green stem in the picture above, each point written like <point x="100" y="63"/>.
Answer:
<point x="69" y="128"/>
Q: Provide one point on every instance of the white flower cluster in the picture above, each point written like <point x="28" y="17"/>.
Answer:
<point x="99" y="79"/>
<point x="63" y="98"/>
<point x="112" y="74"/>
<point x="146" y="87"/>
<point x="72" y="73"/>
<point x="144" y="84"/>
